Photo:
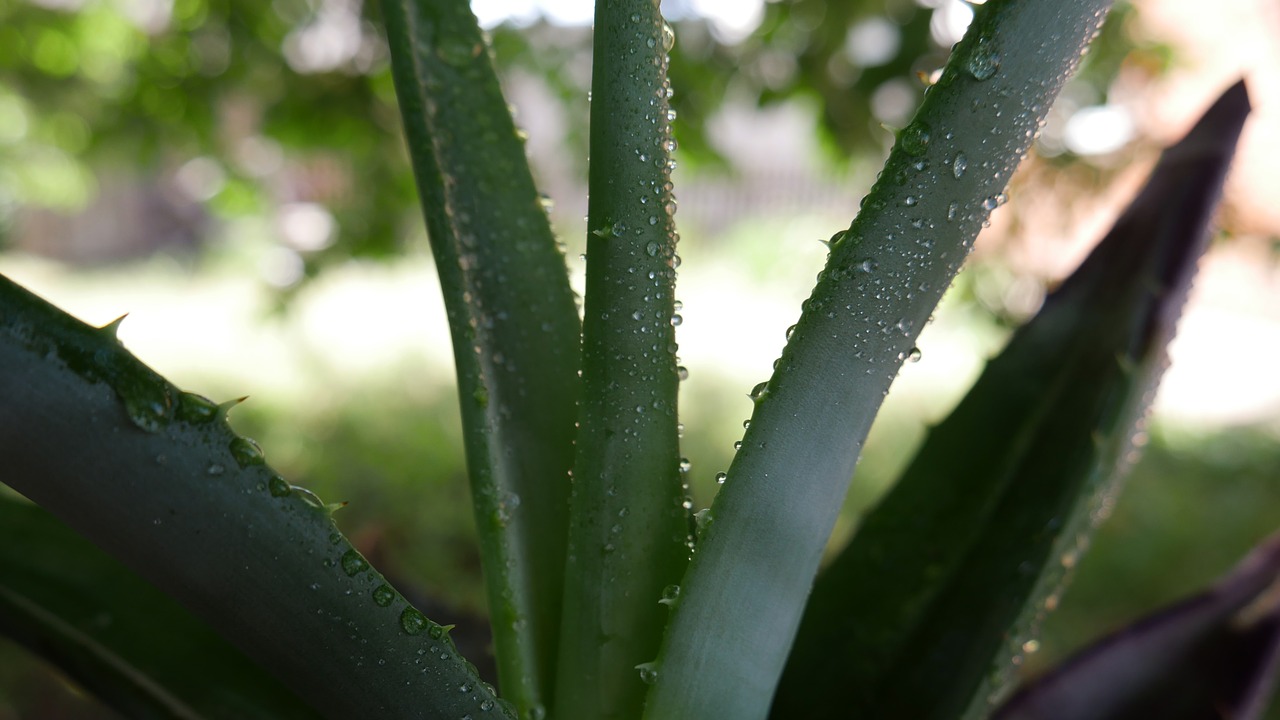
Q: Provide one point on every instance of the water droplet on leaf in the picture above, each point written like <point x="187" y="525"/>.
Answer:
<point x="915" y="139"/>
<point x="146" y="401"/>
<point x="412" y="621"/>
<point x="196" y="409"/>
<point x="648" y="673"/>
<point x="353" y="563"/>
<point x="984" y="61"/>
<point x="247" y="452"/>
<point x="278" y="487"/>
<point x="383" y="595"/>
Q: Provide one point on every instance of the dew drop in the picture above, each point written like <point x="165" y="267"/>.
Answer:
<point x="247" y="452"/>
<point x="670" y="595"/>
<point x="215" y="469"/>
<point x="685" y="465"/>
<point x="913" y="355"/>
<point x="353" y="563"/>
<point x="668" y="37"/>
<point x="412" y="621"/>
<point x="759" y="391"/>
<point x="682" y="372"/>
<point x="915" y="139"/>
<point x="676" y="320"/>
<point x="383" y="595"/>
<point x="146" y="401"/>
<point x="278" y="487"/>
<point x="721" y="477"/>
<point x="308" y="497"/>
<point x="648" y="673"/>
<point x="196" y="409"/>
<point x="959" y="165"/>
<point x="702" y="520"/>
<point x="984" y="61"/>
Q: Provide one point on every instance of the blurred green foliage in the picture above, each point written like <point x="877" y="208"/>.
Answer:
<point x="246" y="106"/>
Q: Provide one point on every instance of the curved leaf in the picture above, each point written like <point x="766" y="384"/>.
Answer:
<point x="514" y="323"/>
<point x="914" y="618"/>
<point x="155" y="477"/>
<point x="628" y="527"/>
<point x="767" y="528"/>
<point x="118" y="637"/>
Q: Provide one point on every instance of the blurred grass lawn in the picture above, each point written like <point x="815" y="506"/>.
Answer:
<point x="348" y="399"/>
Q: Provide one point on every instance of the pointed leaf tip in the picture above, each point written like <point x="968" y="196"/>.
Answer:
<point x="226" y="406"/>
<point x="1165" y="229"/>
<point x="982" y="545"/>
<point x="112" y="329"/>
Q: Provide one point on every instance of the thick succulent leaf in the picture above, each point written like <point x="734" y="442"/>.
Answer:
<point x="926" y="611"/>
<point x="763" y="537"/>
<point x="628" y="528"/>
<point x="99" y="622"/>
<point x="155" y="477"/>
<point x="514" y="323"/>
<point x="1215" y="654"/>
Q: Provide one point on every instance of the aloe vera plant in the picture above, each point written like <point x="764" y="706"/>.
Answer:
<point x="609" y="597"/>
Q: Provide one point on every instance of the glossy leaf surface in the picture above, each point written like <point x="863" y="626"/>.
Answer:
<point x="159" y="480"/>
<point x="513" y="320"/>
<point x="926" y="611"/>
<point x="764" y="535"/>
<point x="117" y="636"/>
<point x="629" y="528"/>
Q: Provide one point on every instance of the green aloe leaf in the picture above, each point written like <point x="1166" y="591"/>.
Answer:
<point x="629" y="527"/>
<point x="928" y="609"/>
<point x="155" y="477"/>
<point x="89" y="615"/>
<point x="1214" y="654"/>
<point x="763" y="537"/>
<point x="513" y="319"/>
